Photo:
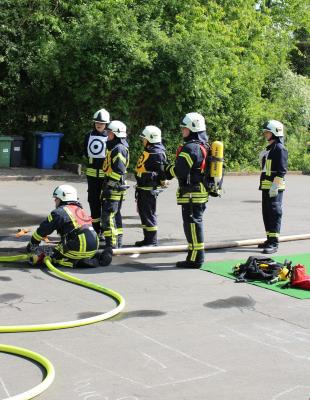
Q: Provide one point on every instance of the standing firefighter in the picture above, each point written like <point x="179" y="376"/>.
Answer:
<point x="95" y="151"/>
<point x="191" y="194"/>
<point x="272" y="183"/>
<point x="79" y="241"/>
<point x="150" y="176"/>
<point x="114" y="188"/>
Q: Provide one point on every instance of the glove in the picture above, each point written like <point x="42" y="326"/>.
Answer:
<point x="31" y="248"/>
<point x="274" y="190"/>
<point x="164" y="184"/>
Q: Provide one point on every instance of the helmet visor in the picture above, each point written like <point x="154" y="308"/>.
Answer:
<point x="183" y="123"/>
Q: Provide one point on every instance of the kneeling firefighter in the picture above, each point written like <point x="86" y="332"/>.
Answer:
<point x="79" y="241"/>
<point x="192" y="194"/>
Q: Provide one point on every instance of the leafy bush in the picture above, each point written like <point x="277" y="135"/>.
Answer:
<point x="152" y="62"/>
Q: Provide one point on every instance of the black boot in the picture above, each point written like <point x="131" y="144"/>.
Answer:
<point x="188" y="264"/>
<point x="272" y="247"/>
<point x="105" y="257"/>
<point x="263" y="245"/>
<point x="141" y="243"/>
<point x="150" y="239"/>
<point x="87" y="263"/>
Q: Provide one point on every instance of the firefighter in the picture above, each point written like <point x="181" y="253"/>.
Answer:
<point x="191" y="194"/>
<point x="95" y="151"/>
<point x="150" y="177"/>
<point x="114" y="187"/>
<point x="79" y="241"/>
<point x="272" y="183"/>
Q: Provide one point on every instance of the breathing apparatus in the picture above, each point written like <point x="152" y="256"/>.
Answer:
<point x="216" y="167"/>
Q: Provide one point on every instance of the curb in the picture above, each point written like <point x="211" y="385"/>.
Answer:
<point x="75" y="178"/>
<point x="79" y="176"/>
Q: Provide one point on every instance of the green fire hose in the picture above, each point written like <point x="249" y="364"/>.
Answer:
<point x="50" y="373"/>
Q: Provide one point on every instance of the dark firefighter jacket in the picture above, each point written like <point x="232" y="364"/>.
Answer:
<point x="187" y="169"/>
<point x="274" y="165"/>
<point x="95" y="142"/>
<point x="150" y="168"/>
<point x="115" y="168"/>
<point x="71" y="223"/>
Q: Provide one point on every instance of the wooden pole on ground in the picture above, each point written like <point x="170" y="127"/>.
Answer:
<point x="208" y="246"/>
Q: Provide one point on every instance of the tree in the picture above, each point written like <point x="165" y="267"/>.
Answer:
<point x="150" y="63"/>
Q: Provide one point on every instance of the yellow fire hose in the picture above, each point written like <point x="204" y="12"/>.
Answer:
<point x="50" y="373"/>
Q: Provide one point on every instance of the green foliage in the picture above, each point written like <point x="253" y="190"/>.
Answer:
<point x="152" y="62"/>
<point x="290" y="95"/>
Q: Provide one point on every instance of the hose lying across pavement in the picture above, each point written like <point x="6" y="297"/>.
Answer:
<point x="50" y="373"/>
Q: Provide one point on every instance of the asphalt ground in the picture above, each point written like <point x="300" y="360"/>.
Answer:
<point x="184" y="334"/>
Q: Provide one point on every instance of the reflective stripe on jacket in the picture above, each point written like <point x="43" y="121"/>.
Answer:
<point x="274" y="165"/>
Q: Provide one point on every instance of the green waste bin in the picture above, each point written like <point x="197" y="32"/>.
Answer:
<point x="5" y="151"/>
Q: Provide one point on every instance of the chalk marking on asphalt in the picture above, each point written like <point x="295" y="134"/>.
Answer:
<point x="4" y="387"/>
<point x="296" y="336"/>
<point x="166" y="346"/>
<point x="277" y="396"/>
<point x="84" y="385"/>
<point x="278" y="338"/>
<point x="218" y="369"/>
<point x="282" y="349"/>
<point x="150" y="358"/>
<point x="89" y="395"/>
<point x="81" y="385"/>
<point x="128" y="398"/>
<point x="94" y="365"/>
<point x="195" y="378"/>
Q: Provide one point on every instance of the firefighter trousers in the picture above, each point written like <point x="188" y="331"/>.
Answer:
<point x="192" y="214"/>
<point x="112" y="225"/>
<point x="272" y="214"/>
<point x="146" y="205"/>
<point x="72" y="250"/>
<point x="94" y="190"/>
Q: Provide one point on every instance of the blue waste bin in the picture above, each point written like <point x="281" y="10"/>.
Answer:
<point x="48" y="144"/>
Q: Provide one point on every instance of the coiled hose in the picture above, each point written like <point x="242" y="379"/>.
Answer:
<point x="46" y="364"/>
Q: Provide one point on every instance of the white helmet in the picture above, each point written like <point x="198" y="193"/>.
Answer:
<point x="194" y="121"/>
<point x="65" y="193"/>
<point x="118" y="128"/>
<point x="274" y="127"/>
<point x="102" y="116"/>
<point x="152" y="134"/>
